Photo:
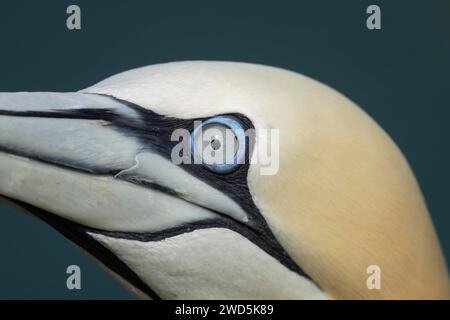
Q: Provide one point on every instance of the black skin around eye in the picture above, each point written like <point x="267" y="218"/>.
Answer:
<point x="154" y="131"/>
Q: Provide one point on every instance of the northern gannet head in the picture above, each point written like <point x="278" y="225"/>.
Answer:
<point x="98" y="165"/>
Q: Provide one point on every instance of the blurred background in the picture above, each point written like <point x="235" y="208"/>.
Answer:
<point x="399" y="75"/>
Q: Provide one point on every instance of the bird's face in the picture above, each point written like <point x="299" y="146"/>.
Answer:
<point x="100" y="166"/>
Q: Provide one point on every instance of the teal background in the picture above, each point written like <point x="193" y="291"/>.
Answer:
<point x="399" y="75"/>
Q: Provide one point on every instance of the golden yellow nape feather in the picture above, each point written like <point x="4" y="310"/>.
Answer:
<point x="345" y="199"/>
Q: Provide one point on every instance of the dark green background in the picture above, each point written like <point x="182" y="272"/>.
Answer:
<point x="399" y="75"/>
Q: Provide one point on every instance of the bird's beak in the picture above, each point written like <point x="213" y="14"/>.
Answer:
<point x="82" y="157"/>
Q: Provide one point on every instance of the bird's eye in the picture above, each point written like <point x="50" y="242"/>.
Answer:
<point x="219" y="144"/>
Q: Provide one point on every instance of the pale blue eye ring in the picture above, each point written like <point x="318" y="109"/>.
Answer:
<point x="233" y="128"/>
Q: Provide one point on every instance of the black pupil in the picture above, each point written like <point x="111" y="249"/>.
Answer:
<point x="215" y="144"/>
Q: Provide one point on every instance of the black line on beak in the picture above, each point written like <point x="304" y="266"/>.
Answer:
<point x="78" y="234"/>
<point x="82" y="113"/>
